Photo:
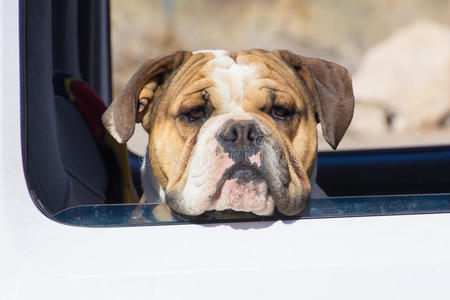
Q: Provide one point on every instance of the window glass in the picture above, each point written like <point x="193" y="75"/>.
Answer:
<point x="397" y="51"/>
<point x="78" y="173"/>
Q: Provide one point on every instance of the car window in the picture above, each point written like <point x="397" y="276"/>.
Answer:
<point x="79" y="174"/>
<point x="398" y="54"/>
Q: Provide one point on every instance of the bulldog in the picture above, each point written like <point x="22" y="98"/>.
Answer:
<point x="234" y="130"/>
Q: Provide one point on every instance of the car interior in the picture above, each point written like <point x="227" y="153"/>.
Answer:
<point x="70" y="179"/>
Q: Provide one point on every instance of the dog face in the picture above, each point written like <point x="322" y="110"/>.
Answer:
<point x="234" y="130"/>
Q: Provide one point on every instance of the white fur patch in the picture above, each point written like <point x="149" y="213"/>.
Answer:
<point x="153" y="191"/>
<point x="217" y="53"/>
<point x="230" y="79"/>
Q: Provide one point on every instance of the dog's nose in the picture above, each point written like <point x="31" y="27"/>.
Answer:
<point x="241" y="133"/>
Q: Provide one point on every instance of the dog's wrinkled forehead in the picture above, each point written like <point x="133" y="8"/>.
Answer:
<point x="230" y="77"/>
<point x="167" y="83"/>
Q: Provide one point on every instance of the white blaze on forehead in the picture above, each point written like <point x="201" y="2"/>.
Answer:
<point x="217" y="53"/>
<point x="230" y="78"/>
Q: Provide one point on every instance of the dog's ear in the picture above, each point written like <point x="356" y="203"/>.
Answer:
<point x="136" y="97"/>
<point x="330" y="86"/>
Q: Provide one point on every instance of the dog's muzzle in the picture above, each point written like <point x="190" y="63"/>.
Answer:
<point x="241" y="140"/>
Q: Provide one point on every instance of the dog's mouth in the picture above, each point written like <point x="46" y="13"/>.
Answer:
<point x="242" y="188"/>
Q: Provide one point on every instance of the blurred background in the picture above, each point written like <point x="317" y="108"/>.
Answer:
<point x="397" y="51"/>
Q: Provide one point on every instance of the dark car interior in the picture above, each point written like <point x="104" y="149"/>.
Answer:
<point x="66" y="168"/>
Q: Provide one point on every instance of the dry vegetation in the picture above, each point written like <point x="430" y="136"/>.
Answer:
<point x="341" y="31"/>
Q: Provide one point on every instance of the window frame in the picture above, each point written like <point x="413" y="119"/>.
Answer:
<point x="335" y="161"/>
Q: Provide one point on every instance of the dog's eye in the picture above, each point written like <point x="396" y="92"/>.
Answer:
<point x="195" y="114"/>
<point x="281" y="113"/>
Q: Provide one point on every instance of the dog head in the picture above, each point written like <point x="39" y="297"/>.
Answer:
<point x="234" y="130"/>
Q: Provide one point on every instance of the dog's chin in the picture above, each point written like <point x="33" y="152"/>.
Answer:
<point x="244" y="191"/>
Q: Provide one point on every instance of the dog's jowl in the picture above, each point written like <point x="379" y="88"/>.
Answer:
<point x="234" y="130"/>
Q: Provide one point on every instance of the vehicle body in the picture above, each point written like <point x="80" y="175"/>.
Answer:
<point x="386" y="254"/>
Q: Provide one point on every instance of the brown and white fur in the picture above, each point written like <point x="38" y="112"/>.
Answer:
<point x="234" y="130"/>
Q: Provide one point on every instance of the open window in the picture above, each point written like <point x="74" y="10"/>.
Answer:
<point x="77" y="177"/>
